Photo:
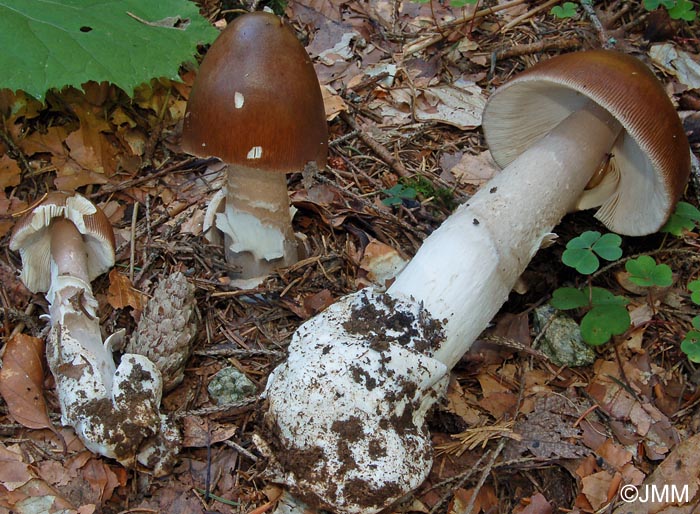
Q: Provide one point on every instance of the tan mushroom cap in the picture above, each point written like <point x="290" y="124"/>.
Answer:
<point x="652" y="153"/>
<point x="32" y="238"/>
<point x="256" y="100"/>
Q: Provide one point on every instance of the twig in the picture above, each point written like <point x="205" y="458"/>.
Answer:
<point x="378" y="148"/>
<point x="147" y="178"/>
<point x="241" y="450"/>
<point x="424" y="43"/>
<point x="537" y="47"/>
<point x="482" y="479"/>
<point x="605" y="40"/>
<point x="458" y="485"/>
<point x="205" y="411"/>
<point x="15" y="151"/>
<point x="19" y="327"/>
<point x="132" y="247"/>
<point x="525" y="16"/>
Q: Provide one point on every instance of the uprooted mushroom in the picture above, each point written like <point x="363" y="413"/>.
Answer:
<point x="64" y="243"/>
<point x="345" y="426"/>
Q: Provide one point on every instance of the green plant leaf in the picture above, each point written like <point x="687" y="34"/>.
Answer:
<point x="696" y="322"/>
<point x="604" y="321"/>
<point x="651" y="5"/>
<point x="585" y="240"/>
<point x="582" y="252"/>
<point x="694" y="288"/>
<point x="645" y="272"/>
<point x="608" y="247"/>
<point x="691" y="345"/>
<point x="583" y="261"/>
<point x="685" y="218"/>
<point x="398" y="194"/>
<point x="683" y="10"/>
<point x="462" y="3"/>
<point x="601" y="297"/>
<point x="566" y="10"/>
<point x="48" y="44"/>
<point x="565" y="298"/>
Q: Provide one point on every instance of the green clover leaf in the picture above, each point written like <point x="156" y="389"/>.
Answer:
<point x="694" y="288"/>
<point x="691" y="344"/>
<point x="683" y="10"/>
<point x="566" y="10"/>
<point x="685" y="218"/>
<point x="565" y="298"/>
<point x="604" y="321"/>
<point x="645" y="272"/>
<point x="398" y="194"/>
<point x="651" y="5"/>
<point x="582" y="252"/>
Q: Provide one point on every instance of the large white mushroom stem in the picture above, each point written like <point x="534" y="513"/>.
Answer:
<point x="346" y="418"/>
<point x="465" y="270"/>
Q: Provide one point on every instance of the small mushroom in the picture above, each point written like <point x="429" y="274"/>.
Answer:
<point x="344" y="388"/>
<point x="64" y="243"/>
<point x="256" y="104"/>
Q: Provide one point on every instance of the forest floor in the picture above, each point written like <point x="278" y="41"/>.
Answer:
<point x="405" y="83"/>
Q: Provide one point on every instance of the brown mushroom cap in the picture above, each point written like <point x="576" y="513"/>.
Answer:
<point x="256" y="100"/>
<point x="32" y="238"/>
<point x="652" y="153"/>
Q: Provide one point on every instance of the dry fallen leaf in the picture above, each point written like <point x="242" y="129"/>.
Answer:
<point x="200" y="433"/>
<point x="538" y="504"/>
<point x="14" y="472"/>
<point x="600" y="488"/>
<point x="21" y="380"/>
<point x="9" y="172"/>
<point x="122" y="294"/>
<point x="470" y="169"/>
<point x="382" y="263"/>
<point x="680" y="471"/>
<point x="459" y="104"/>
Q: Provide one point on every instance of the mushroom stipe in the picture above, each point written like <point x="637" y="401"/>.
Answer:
<point x="553" y="126"/>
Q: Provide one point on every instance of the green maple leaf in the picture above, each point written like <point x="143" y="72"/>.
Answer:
<point x="48" y="44"/>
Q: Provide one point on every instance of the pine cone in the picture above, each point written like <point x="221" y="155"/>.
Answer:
<point x="165" y="333"/>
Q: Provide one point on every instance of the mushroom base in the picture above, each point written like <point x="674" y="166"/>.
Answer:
<point x="345" y="428"/>
<point x="115" y="410"/>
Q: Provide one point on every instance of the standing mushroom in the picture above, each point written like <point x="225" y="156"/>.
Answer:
<point x="256" y="104"/>
<point x="345" y="424"/>
<point x="64" y="243"/>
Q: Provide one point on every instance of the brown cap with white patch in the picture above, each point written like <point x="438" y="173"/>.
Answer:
<point x="32" y="237"/>
<point x="650" y="161"/>
<point x="256" y="101"/>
